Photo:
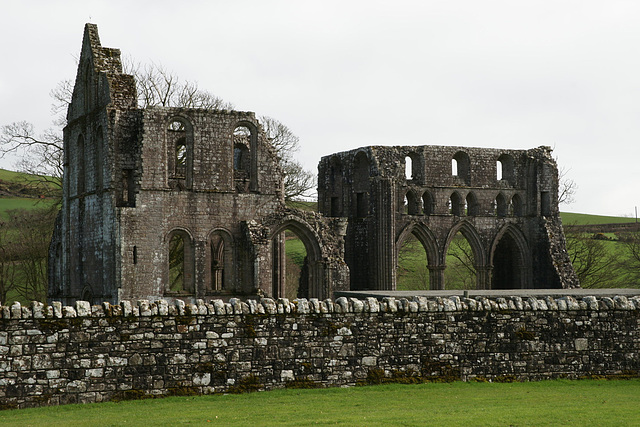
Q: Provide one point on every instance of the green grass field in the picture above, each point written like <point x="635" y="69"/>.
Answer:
<point x="569" y="218"/>
<point x="544" y="403"/>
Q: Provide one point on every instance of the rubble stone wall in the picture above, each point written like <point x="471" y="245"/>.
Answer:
<point x="57" y="355"/>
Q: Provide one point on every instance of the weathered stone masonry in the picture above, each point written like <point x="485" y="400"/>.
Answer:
<point x="57" y="355"/>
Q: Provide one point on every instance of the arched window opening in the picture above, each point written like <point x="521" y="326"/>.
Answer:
<point x="176" y="263"/>
<point x="460" y="271"/>
<point x="404" y="208"/>
<point x="505" y="169"/>
<point x="80" y="166"/>
<point x="412" y="273"/>
<point x="456" y="204"/>
<point x="180" y="263"/>
<point x="221" y="263"/>
<point x="427" y="203"/>
<point x="413" y="203"/>
<point x="179" y="141"/>
<point x="408" y="168"/>
<point x="291" y="266"/>
<point x="508" y="265"/>
<point x="461" y="167"/>
<point x="502" y="209"/>
<point x="242" y="158"/>
<point x="516" y="202"/>
<point x="181" y="157"/>
<point x="471" y="205"/>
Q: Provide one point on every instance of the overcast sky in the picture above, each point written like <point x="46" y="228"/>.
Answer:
<point x="345" y="74"/>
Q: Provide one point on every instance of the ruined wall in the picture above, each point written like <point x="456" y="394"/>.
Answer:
<point x="505" y="217"/>
<point x="57" y="355"/>
<point x="156" y="200"/>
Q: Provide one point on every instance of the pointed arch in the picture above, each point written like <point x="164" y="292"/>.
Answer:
<point x="425" y="236"/>
<point x="518" y="207"/>
<point x="180" y="151"/>
<point x="180" y="262"/>
<point x="456" y="204"/>
<point x="412" y="203"/>
<point x="428" y="203"/>
<point x="311" y="283"/>
<point x="510" y="259"/>
<point x="472" y="206"/>
<point x="502" y="207"/>
<point x="245" y="156"/>
<point x="429" y="243"/>
<point x="470" y="233"/>
<point x="219" y="274"/>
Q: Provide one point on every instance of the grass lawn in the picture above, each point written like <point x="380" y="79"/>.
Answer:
<point x="544" y="403"/>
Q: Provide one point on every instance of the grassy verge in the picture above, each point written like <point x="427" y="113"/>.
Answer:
<point x="587" y="402"/>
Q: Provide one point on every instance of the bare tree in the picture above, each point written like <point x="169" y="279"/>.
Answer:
<point x="567" y="187"/>
<point x="631" y="262"/>
<point x="596" y="265"/>
<point x="159" y="87"/>
<point x="41" y="155"/>
<point x="298" y="182"/>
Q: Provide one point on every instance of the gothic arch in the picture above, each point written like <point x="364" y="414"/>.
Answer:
<point x="425" y="236"/>
<point x="180" y="151"/>
<point x="479" y="253"/>
<point x="312" y="285"/>
<point x="219" y="270"/>
<point x="180" y="262"/>
<point x="510" y="259"/>
<point x="244" y="146"/>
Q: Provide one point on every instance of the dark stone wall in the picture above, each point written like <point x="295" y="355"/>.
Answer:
<point x="134" y="178"/>
<point x="385" y="202"/>
<point x="57" y="355"/>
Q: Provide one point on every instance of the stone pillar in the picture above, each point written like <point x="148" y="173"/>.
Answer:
<point x="436" y="277"/>
<point x="483" y="277"/>
<point x="382" y="236"/>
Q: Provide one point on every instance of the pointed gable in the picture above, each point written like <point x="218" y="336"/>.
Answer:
<point x="99" y="79"/>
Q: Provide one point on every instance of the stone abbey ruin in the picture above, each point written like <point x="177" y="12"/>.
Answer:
<point x="177" y="203"/>
<point x="167" y="265"/>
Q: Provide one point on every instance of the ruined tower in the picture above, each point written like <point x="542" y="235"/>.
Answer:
<point x="504" y="202"/>
<point x="165" y="203"/>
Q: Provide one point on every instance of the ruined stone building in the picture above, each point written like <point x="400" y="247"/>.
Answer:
<point x="504" y="202"/>
<point x="166" y="203"/>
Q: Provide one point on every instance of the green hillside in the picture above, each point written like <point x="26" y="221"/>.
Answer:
<point x="569" y="218"/>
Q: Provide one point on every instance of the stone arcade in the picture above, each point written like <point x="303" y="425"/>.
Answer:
<point x="178" y="203"/>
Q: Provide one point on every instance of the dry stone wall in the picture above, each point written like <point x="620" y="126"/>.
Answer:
<point x="60" y="354"/>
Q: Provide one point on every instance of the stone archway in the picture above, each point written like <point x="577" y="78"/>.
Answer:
<point x="470" y="233"/>
<point x="510" y="260"/>
<point x="310" y="283"/>
<point x="323" y="240"/>
<point x="428" y="241"/>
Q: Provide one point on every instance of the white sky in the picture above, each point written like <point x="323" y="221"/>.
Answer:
<point x="344" y="74"/>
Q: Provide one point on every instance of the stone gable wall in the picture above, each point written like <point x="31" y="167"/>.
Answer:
<point x="58" y="355"/>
